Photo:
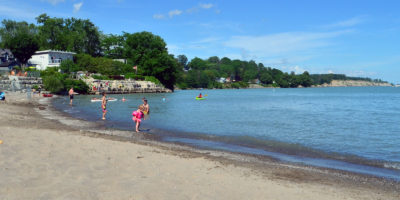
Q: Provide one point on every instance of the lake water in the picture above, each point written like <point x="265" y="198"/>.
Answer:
<point x="348" y="128"/>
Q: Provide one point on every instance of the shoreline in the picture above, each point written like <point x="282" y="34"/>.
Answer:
<point x="150" y="139"/>
<point x="294" y="154"/>
<point x="338" y="184"/>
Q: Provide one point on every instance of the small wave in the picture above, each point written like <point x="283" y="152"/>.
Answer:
<point x="392" y="165"/>
<point x="71" y="111"/>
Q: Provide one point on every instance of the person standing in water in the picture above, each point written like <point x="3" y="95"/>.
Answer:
<point x="104" y="105"/>
<point x="145" y="109"/>
<point x="71" y="95"/>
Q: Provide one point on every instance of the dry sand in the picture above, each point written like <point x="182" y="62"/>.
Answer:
<point x="46" y="159"/>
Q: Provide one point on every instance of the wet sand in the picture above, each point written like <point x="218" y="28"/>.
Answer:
<point x="46" y="155"/>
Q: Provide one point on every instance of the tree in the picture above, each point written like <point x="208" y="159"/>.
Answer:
<point x="182" y="60"/>
<point x="77" y="35"/>
<point x="197" y="64"/>
<point x="213" y="59"/>
<point x="305" y="79"/>
<point x="150" y="54"/>
<point x="266" y="78"/>
<point x="112" y="46"/>
<point x="20" y="38"/>
<point x="68" y="66"/>
<point x="53" y="83"/>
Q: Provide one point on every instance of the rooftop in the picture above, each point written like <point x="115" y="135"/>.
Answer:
<point x="53" y="51"/>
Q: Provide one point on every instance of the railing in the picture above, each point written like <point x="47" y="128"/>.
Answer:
<point x="35" y="74"/>
<point x="55" y="61"/>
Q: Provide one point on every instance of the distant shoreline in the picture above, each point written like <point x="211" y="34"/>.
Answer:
<point x="334" y="83"/>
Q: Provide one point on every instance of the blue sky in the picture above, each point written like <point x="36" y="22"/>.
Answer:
<point x="356" y="38"/>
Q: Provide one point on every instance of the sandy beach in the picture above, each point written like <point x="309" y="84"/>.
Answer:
<point x="44" y="155"/>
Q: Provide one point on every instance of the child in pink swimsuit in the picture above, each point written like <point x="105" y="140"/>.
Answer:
<point x="137" y="117"/>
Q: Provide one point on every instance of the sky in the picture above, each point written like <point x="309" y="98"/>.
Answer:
<point x="353" y="37"/>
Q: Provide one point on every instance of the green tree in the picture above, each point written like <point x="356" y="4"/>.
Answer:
<point x="213" y="59"/>
<point x="305" y="79"/>
<point x="54" y="84"/>
<point x="266" y="78"/>
<point x="197" y="64"/>
<point x="77" y="35"/>
<point x="182" y="60"/>
<point x="20" y="38"/>
<point x="112" y="46"/>
<point x="150" y="54"/>
<point x="78" y="85"/>
<point x="68" y="66"/>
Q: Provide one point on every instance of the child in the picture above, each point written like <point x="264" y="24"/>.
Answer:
<point x="137" y="117"/>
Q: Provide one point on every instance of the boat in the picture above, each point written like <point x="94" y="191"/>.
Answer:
<point x="202" y="98"/>
<point x="99" y="100"/>
<point x="47" y="95"/>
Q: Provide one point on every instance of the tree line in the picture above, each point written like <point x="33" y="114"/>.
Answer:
<point x="96" y="51"/>
<point x="226" y="73"/>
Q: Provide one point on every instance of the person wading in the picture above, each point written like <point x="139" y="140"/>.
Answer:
<point x="104" y="105"/>
<point x="71" y="95"/>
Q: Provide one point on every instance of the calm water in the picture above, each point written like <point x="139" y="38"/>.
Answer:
<point x="357" y="124"/>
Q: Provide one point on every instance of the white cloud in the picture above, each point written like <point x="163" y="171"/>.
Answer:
<point x="346" y="23"/>
<point x="194" y="9"/>
<point x="172" y="13"/>
<point x="296" y="69"/>
<point x="361" y="73"/>
<point x="54" y="2"/>
<point x="16" y="12"/>
<point x="207" y="40"/>
<point x="206" y="6"/>
<point x="77" y="6"/>
<point x="283" y="43"/>
<point x="158" y="16"/>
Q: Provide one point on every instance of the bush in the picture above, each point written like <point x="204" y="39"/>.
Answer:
<point x="53" y="84"/>
<point x="50" y="71"/>
<point x="101" y="77"/>
<point x="152" y="79"/>
<point x="68" y="66"/>
<point x="78" y="85"/>
<point x="134" y="76"/>
<point x="182" y="85"/>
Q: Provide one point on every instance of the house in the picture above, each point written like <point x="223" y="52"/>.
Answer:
<point x="49" y="58"/>
<point x="125" y="61"/>
<point x="7" y="60"/>
<point x="222" y="80"/>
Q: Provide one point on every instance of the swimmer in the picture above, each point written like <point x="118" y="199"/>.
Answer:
<point x="137" y="117"/>
<point x="104" y="105"/>
<point x="123" y="99"/>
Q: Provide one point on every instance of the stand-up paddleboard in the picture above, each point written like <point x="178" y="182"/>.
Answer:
<point x="99" y="100"/>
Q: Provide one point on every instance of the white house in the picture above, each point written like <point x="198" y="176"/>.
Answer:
<point x="49" y="58"/>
